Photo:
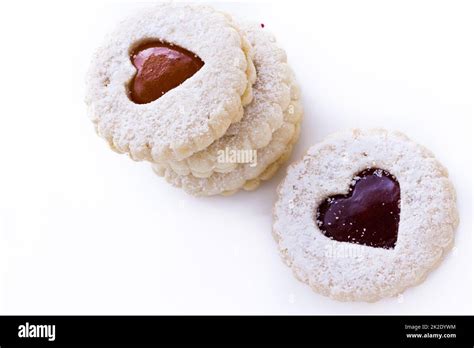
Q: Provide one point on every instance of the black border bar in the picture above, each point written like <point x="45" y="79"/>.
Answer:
<point x="260" y="330"/>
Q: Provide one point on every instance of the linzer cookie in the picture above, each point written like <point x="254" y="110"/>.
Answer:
<point x="170" y="81"/>
<point x="247" y="176"/>
<point x="262" y="117"/>
<point x="275" y="105"/>
<point x="364" y="215"/>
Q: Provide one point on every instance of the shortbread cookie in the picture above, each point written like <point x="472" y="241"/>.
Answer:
<point x="261" y="118"/>
<point x="364" y="215"/>
<point x="271" y="170"/>
<point x="247" y="175"/>
<point x="169" y="81"/>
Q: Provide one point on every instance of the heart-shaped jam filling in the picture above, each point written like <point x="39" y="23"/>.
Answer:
<point x="160" y="67"/>
<point x="369" y="214"/>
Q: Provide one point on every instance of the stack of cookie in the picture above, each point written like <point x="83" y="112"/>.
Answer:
<point x="212" y="103"/>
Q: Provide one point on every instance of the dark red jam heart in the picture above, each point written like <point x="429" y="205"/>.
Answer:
<point x="160" y="68"/>
<point x="369" y="214"/>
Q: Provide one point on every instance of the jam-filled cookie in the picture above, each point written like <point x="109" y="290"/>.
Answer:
<point x="268" y="158"/>
<point x="169" y="81"/>
<point x="264" y="115"/>
<point x="364" y="215"/>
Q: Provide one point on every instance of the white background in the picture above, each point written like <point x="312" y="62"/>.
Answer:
<point x="86" y="231"/>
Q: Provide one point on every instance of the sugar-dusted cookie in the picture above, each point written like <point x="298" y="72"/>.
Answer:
<point x="268" y="158"/>
<point x="169" y="81"/>
<point x="262" y="117"/>
<point x="364" y="215"/>
<point x="247" y="175"/>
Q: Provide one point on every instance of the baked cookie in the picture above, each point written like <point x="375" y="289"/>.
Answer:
<point x="247" y="175"/>
<point x="276" y="84"/>
<point x="262" y="116"/>
<point x="364" y="215"/>
<point x="169" y="81"/>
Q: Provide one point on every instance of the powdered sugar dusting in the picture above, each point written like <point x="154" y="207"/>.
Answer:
<point x="223" y="183"/>
<point x="428" y="215"/>
<point x="264" y="115"/>
<point x="187" y="118"/>
<point x="270" y="157"/>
